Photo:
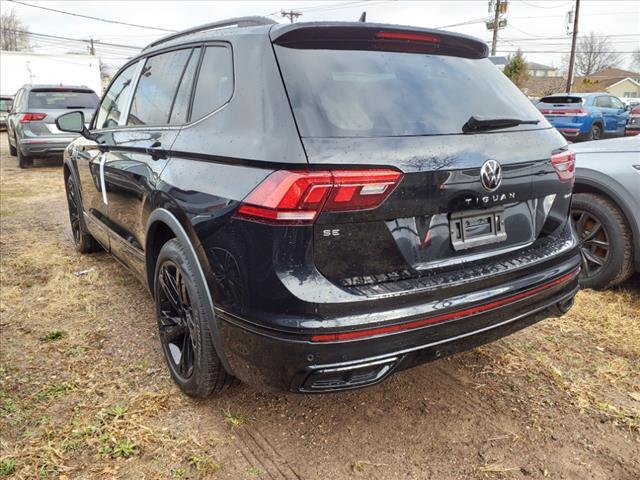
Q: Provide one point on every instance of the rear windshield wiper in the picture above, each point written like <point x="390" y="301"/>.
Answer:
<point x="76" y="107"/>
<point x="480" y="124"/>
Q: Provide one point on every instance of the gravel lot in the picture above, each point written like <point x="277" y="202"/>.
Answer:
<point x="84" y="392"/>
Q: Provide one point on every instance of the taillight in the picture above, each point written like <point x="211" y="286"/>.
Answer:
<point x="565" y="165"/>
<point x="32" y="117"/>
<point x="573" y="112"/>
<point x="407" y="36"/>
<point x="294" y="198"/>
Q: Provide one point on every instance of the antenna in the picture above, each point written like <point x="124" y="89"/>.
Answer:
<point x="363" y="17"/>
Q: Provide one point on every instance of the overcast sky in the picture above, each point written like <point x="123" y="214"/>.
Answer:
<point x="536" y="26"/>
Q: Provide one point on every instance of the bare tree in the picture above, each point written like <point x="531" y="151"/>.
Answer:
<point x="13" y="33"/>
<point x="595" y="53"/>
<point x="635" y="59"/>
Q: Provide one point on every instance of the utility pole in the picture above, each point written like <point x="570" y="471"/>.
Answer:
<point x="291" y="15"/>
<point x="498" y="8"/>
<point x="496" y="19"/>
<point x="92" y="50"/>
<point x="572" y="57"/>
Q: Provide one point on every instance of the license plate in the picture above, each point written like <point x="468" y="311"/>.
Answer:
<point x="472" y="229"/>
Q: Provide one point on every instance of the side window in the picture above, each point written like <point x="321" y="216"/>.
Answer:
<point x="16" y="102"/>
<point x="180" y="108"/>
<point x="157" y="87"/>
<point x="602" y="102"/>
<point x="215" y="82"/>
<point x="114" y="102"/>
<point x="616" y="103"/>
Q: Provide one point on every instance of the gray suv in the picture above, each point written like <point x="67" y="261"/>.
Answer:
<point x="31" y="127"/>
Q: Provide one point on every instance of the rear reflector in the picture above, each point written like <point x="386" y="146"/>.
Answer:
<point x="32" y="117"/>
<point x="458" y="314"/>
<point x="569" y="112"/>
<point x="288" y="197"/>
<point x="564" y="164"/>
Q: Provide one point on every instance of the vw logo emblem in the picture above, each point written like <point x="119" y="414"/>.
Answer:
<point x="491" y="175"/>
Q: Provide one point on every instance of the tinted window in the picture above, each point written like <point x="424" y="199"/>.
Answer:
<point x="63" y="99"/>
<point x="156" y="88"/>
<point x="114" y="101"/>
<point x="344" y="93"/>
<point x="183" y="96"/>
<point x="603" y="102"/>
<point x="561" y="99"/>
<point x="616" y="102"/>
<point x="215" y="82"/>
<point x="5" y="104"/>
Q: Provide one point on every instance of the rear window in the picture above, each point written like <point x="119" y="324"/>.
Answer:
<point x="561" y="99"/>
<point x="63" y="99"/>
<point x="5" y="104"/>
<point x="358" y="93"/>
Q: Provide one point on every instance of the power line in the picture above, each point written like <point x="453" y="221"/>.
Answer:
<point x="106" y="20"/>
<point x="546" y="8"/>
<point x="57" y="37"/>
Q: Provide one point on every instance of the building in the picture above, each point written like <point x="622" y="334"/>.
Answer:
<point x="618" y="82"/>
<point x="540" y="70"/>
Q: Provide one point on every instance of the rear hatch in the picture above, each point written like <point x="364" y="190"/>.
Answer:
<point x="46" y="104"/>
<point x="375" y="101"/>
<point x="562" y="110"/>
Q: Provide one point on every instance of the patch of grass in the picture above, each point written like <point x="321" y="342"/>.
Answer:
<point x="124" y="448"/>
<point x="254" y="471"/>
<point x="204" y="465"/>
<point x="7" y="467"/>
<point x="116" y="411"/>
<point x="235" y="419"/>
<point x="53" y="335"/>
<point x="178" y="472"/>
<point x="54" y="390"/>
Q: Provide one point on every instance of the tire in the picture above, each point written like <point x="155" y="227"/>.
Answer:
<point x="183" y="325"/>
<point x="24" y="161"/>
<point x="605" y="241"/>
<point x="12" y="150"/>
<point x="595" y="132"/>
<point x="82" y="239"/>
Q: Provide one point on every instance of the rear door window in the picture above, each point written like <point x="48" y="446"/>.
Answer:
<point x="153" y="98"/>
<point x="215" y="81"/>
<point x="56" y="99"/>
<point x="603" y="102"/>
<point x="115" y="100"/>
<point x="180" y="110"/>
<point x="363" y="93"/>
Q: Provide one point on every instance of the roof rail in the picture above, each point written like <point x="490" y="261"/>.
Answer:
<point x="232" y="22"/>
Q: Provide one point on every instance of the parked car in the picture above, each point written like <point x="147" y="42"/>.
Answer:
<point x="585" y="116"/>
<point x="633" y="124"/>
<point x="302" y="221"/>
<point x="5" y="107"/>
<point x="31" y="126"/>
<point x="606" y="210"/>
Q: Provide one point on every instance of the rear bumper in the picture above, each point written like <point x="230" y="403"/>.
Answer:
<point x="44" y="146"/>
<point x="305" y="361"/>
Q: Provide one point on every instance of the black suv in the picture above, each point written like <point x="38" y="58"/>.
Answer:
<point x="315" y="206"/>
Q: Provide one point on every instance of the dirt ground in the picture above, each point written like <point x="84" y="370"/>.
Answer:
<point x="85" y="394"/>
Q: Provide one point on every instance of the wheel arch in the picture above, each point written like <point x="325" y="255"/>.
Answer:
<point x="163" y="225"/>
<point x="588" y="185"/>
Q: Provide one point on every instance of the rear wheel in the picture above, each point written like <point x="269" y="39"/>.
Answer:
<point x="24" y="161"/>
<point x="12" y="149"/>
<point x="595" y="132"/>
<point x="83" y="240"/>
<point x="183" y="325"/>
<point x="605" y="241"/>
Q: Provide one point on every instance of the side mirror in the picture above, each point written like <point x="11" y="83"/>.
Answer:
<point x="73" y="122"/>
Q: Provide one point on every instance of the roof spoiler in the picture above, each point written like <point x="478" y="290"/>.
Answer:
<point x="379" y="37"/>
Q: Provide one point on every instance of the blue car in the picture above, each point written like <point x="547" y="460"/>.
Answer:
<point x="585" y="116"/>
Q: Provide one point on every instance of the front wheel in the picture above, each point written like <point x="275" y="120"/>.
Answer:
<point x="605" y="241"/>
<point x="183" y="325"/>
<point x="82" y="239"/>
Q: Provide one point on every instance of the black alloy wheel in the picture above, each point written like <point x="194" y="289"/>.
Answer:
<point x="176" y="320"/>
<point x="595" y="133"/>
<point x="594" y="242"/>
<point x="184" y="317"/>
<point x="82" y="240"/>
